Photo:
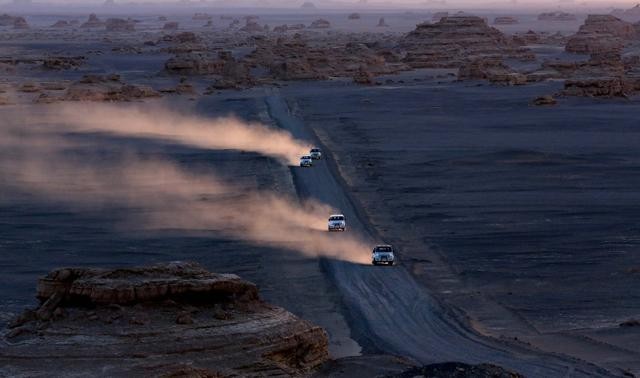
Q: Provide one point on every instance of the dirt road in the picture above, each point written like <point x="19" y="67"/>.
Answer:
<point x="388" y="311"/>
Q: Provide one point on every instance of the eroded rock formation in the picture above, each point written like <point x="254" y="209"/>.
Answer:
<point x="167" y="319"/>
<point x="505" y="20"/>
<point x="601" y="33"/>
<point x="61" y="24"/>
<point x="491" y="69"/>
<point x="320" y="23"/>
<point x="20" y="23"/>
<point x="556" y="16"/>
<point x="455" y="40"/>
<point x="93" y="22"/>
<point x="106" y="88"/>
<point x="120" y="25"/>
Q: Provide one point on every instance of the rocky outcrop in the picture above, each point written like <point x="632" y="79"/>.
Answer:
<point x="601" y="33"/>
<point x="7" y="20"/>
<point x="251" y="26"/>
<point x="382" y="23"/>
<point x="546" y="100"/>
<point x="599" y="87"/>
<point x="293" y="58"/>
<point x="106" y="88"/>
<point x="459" y="370"/>
<point x="505" y="20"/>
<point x="354" y="16"/>
<point x="19" y="23"/>
<point x="61" y="24"/>
<point x="491" y="69"/>
<point x="63" y="62"/>
<point x="202" y="17"/>
<point x="556" y="16"/>
<point x="93" y="22"/>
<point x="172" y="25"/>
<point x="320" y="23"/>
<point x="363" y="77"/>
<point x="224" y="68"/>
<point x="455" y="40"/>
<point x="174" y="319"/>
<point x="120" y="25"/>
<point x="308" y="5"/>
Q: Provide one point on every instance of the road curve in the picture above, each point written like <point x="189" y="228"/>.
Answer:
<point x="388" y="310"/>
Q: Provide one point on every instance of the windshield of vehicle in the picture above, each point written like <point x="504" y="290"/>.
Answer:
<point x="315" y="150"/>
<point x="306" y="157"/>
<point x="336" y="218"/>
<point x="384" y="249"/>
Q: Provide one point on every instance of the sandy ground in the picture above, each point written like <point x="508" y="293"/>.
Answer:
<point x="522" y="217"/>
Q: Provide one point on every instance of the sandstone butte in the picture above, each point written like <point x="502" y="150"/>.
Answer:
<point x="172" y="319"/>
<point x="601" y="33"/>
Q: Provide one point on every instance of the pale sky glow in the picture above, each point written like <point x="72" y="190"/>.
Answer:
<point x="504" y="5"/>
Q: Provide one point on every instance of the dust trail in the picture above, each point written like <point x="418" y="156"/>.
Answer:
<point x="157" y="122"/>
<point x="160" y="195"/>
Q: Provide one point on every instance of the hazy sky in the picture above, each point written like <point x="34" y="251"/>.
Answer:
<point x="328" y="4"/>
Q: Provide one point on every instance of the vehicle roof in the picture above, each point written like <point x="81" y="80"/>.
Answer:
<point x="384" y="245"/>
<point x="336" y="215"/>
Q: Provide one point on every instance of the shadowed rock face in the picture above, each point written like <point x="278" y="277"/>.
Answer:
<point x="455" y="40"/>
<point x="493" y="70"/>
<point x="601" y="33"/>
<point x="157" y="320"/>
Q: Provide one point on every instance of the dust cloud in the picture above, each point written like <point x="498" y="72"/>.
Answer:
<point x="157" y="122"/>
<point x="161" y="195"/>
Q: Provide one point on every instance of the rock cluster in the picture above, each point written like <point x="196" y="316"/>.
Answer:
<point x="556" y="16"/>
<point x="172" y="25"/>
<point x="93" y="22"/>
<point x="106" y="88"/>
<point x="601" y="33"/>
<point x="202" y="17"/>
<point x="599" y="87"/>
<point x="505" y="20"/>
<point x="491" y="69"/>
<point x="20" y="23"/>
<point x="455" y="40"/>
<point x="293" y="58"/>
<point x="382" y="23"/>
<point x="61" y="24"/>
<point x="120" y="25"/>
<point x="320" y="23"/>
<point x="354" y="16"/>
<point x="6" y="20"/>
<point x="174" y="319"/>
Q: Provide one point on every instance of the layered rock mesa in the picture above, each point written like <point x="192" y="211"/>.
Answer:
<point x="174" y="319"/>
<point x="453" y="41"/>
<point x="601" y="33"/>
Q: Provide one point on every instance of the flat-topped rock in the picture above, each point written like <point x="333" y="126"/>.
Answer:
<point x="601" y="33"/>
<point x="454" y="40"/>
<point x="173" y="318"/>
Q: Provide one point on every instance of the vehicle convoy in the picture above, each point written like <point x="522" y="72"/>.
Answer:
<point x="382" y="254"/>
<point x="306" y="161"/>
<point x="315" y="153"/>
<point x="337" y="222"/>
